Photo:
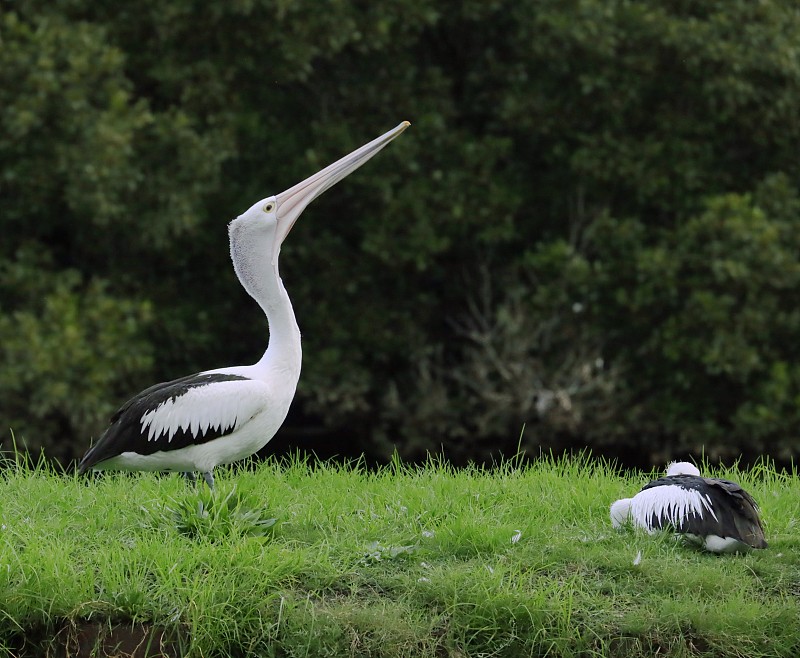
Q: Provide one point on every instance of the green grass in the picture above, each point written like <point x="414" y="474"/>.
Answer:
<point x="289" y="559"/>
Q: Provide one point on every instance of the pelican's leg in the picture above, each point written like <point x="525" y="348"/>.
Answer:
<point x="208" y="476"/>
<point x="190" y="476"/>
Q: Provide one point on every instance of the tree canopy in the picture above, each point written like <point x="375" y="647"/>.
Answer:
<point x="589" y="231"/>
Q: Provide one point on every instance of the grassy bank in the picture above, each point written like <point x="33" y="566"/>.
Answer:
<point x="290" y="560"/>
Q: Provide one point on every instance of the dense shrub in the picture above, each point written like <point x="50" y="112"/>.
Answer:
<point x="587" y="231"/>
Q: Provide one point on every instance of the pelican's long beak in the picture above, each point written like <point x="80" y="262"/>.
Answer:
<point x="293" y="201"/>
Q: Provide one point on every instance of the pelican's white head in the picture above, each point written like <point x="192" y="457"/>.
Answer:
<point x="682" y="468"/>
<point x="620" y="512"/>
<point x="257" y="234"/>
<point x="253" y="238"/>
<point x="277" y="214"/>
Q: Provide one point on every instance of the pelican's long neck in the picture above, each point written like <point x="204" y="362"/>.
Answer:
<point x="258" y="273"/>
<point x="283" y="350"/>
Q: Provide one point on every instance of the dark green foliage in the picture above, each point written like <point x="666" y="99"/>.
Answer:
<point x="713" y="318"/>
<point x="588" y="229"/>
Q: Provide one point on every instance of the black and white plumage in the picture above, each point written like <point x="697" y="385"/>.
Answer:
<point x="717" y="514"/>
<point x="195" y="423"/>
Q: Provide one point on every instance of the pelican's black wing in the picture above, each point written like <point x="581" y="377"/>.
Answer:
<point x="741" y="511"/>
<point x="128" y="432"/>
<point x="730" y="510"/>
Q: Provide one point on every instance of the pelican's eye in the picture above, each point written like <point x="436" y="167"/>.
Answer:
<point x="269" y="206"/>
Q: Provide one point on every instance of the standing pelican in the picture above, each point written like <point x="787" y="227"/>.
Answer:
<point x="717" y="514"/>
<point x="195" y="423"/>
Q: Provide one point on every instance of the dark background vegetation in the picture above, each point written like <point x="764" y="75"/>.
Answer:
<point x="591" y="229"/>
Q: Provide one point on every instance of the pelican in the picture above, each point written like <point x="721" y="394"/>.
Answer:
<point x="214" y="417"/>
<point x="718" y="515"/>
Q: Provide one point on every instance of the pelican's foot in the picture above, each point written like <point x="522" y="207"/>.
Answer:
<point x="208" y="476"/>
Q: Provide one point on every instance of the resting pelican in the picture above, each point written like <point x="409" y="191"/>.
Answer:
<point x="195" y="423"/>
<point x="717" y="514"/>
